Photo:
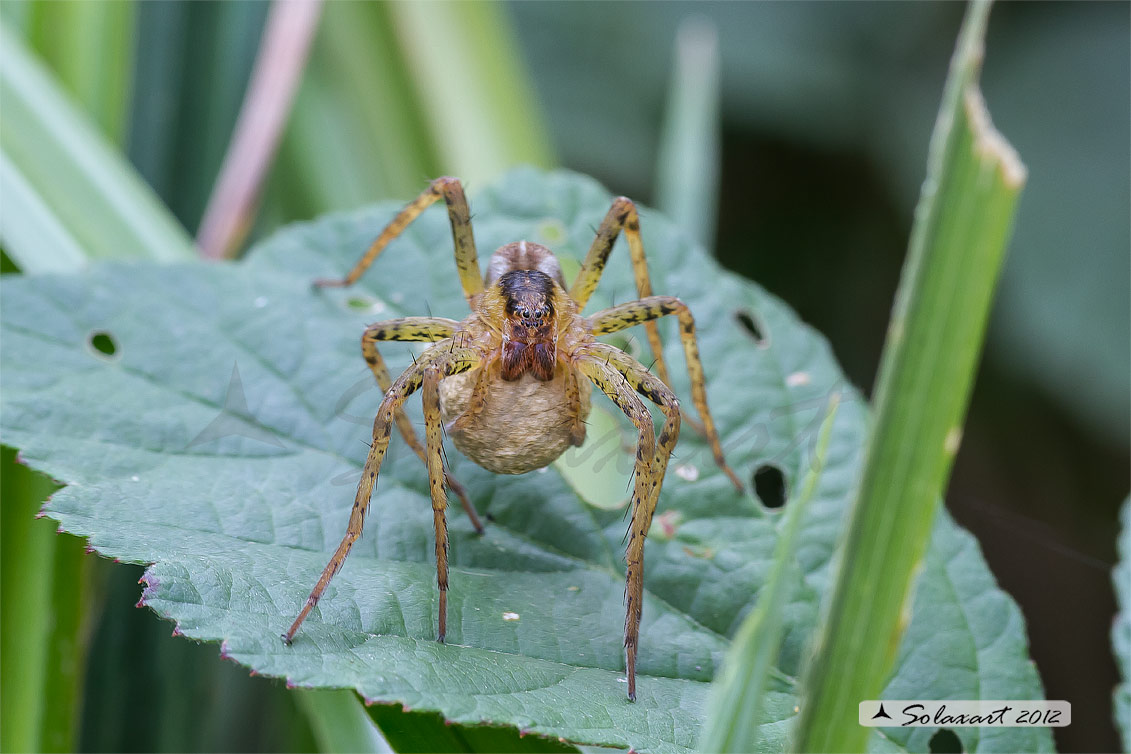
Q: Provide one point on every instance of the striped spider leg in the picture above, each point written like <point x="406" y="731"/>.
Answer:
<point x="441" y="360"/>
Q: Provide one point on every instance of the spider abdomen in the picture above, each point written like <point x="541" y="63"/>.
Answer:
<point x="508" y="441"/>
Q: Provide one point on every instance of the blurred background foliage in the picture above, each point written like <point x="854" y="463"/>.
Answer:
<point x="804" y="170"/>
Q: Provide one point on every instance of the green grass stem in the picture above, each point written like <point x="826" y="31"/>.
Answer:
<point x="958" y="241"/>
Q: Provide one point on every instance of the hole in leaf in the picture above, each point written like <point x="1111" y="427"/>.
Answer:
<point x="753" y="325"/>
<point x="945" y="741"/>
<point x="769" y="485"/>
<point x="103" y="344"/>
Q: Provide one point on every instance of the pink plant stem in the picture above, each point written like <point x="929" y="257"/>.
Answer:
<point x="287" y="36"/>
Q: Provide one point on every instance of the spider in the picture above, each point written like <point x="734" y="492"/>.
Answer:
<point x="511" y="382"/>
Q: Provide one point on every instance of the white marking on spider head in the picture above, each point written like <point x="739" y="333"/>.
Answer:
<point x="510" y="616"/>
<point x="797" y="379"/>
<point x="687" y="471"/>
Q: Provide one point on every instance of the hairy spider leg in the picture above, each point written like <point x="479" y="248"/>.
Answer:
<point x="626" y="315"/>
<point x="467" y="259"/>
<point x="477" y="400"/>
<point x="412" y="329"/>
<point x="448" y="359"/>
<point x="433" y="428"/>
<point x="621" y="377"/>
<point x="573" y="398"/>
<point x="622" y="216"/>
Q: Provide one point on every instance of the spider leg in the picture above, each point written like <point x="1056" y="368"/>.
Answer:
<point x="467" y="259"/>
<point x="622" y="216"/>
<point x="626" y="315"/>
<point x="621" y="377"/>
<point x="476" y="401"/>
<point x="573" y="397"/>
<point x="412" y="329"/>
<point x="446" y="363"/>
<point x="433" y="428"/>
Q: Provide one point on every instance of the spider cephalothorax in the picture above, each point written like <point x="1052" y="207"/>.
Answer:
<point x="530" y="335"/>
<point x="512" y="381"/>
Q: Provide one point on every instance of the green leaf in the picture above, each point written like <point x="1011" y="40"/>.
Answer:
<point x="1121" y="631"/>
<point x="68" y="195"/>
<point x="236" y="492"/>
<point x="736" y="701"/>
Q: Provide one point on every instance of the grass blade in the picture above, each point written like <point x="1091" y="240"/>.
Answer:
<point x="957" y="246"/>
<point x="81" y="194"/>
<point x="480" y="108"/>
<point x="356" y="133"/>
<point x="687" y="176"/>
<point x="737" y="692"/>
<point x="193" y="63"/>
<point x="278" y="69"/>
<point x="90" y="48"/>
<point x="27" y="555"/>
<point x="340" y="722"/>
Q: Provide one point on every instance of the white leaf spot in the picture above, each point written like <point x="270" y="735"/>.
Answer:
<point x="797" y="379"/>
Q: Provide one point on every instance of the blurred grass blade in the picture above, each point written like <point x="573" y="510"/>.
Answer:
<point x="79" y="191"/>
<point x="687" y="174"/>
<point x="267" y="104"/>
<point x="356" y="133"/>
<point x="90" y="48"/>
<point x="480" y="107"/>
<point x="30" y="230"/>
<point x="957" y="246"/>
<point x="193" y="64"/>
<point x="27" y="555"/>
<point x="340" y="722"/>
<point x="736" y="694"/>
<point x="50" y="588"/>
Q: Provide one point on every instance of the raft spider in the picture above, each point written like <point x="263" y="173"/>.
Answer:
<point x="511" y="382"/>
